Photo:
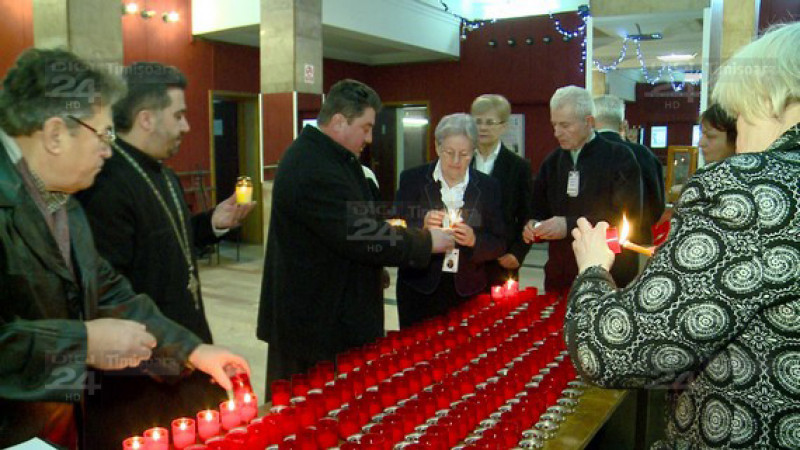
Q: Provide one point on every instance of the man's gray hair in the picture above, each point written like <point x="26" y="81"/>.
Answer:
<point x="53" y="83"/>
<point x="609" y="111"/>
<point x="575" y="97"/>
<point x="458" y="124"/>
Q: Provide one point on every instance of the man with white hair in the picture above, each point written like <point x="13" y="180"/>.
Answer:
<point x="586" y="176"/>
<point x="609" y="122"/>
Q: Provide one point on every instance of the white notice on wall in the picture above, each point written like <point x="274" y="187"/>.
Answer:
<point x="514" y="137"/>
<point x="308" y="74"/>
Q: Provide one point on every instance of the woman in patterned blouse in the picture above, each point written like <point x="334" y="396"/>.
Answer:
<point x="715" y="316"/>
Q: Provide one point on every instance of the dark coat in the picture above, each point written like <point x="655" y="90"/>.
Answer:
<point x="419" y="193"/>
<point x="653" y="202"/>
<point x="43" y="372"/>
<point x="514" y="175"/>
<point x="610" y="185"/>
<point x="322" y="290"/>
<point x="134" y="234"/>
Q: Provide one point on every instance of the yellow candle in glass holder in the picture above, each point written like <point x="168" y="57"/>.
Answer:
<point x="244" y="190"/>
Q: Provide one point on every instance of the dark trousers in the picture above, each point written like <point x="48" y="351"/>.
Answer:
<point x="414" y="307"/>
<point x="282" y="365"/>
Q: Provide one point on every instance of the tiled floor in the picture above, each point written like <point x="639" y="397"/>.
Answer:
<point x="231" y="292"/>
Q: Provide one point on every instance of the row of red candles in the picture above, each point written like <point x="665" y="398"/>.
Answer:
<point x="416" y="356"/>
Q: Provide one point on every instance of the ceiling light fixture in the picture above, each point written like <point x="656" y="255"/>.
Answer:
<point x="673" y="58"/>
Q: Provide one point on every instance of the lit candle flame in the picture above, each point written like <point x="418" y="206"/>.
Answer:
<point x="625" y="230"/>
<point x="625" y="243"/>
<point x="248" y="398"/>
<point x="183" y="425"/>
<point x="136" y="444"/>
<point x="209" y="416"/>
<point x="231" y="405"/>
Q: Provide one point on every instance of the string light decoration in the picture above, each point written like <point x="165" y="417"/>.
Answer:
<point x="584" y="13"/>
<point x="623" y="52"/>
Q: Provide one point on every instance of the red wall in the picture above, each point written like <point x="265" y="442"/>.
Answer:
<point x="16" y="31"/>
<point x="207" y="65"/>
<point x="526" y="75"/>
<point x="659" y="104"/>
<point x="777" y="11"/>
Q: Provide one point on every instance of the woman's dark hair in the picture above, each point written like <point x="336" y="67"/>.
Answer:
<point x="720" y="120"/>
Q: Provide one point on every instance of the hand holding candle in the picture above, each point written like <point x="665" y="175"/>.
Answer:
<point x="590" y="245"/>
<point x="244" y="190"/>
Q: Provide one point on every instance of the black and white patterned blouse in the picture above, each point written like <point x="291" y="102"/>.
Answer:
<point x="715" y="315"/>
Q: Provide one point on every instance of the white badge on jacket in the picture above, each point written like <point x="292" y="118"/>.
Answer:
<point x="573" y="183"/>
<point x="450" y="263"/>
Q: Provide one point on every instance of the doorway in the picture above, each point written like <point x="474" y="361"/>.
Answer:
<point x="236" y="151"/>
<point x="399" y="141"/>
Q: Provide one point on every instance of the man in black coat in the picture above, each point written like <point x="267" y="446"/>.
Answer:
<point x="491" y="113"/>
<point x="609" y="119"/>
<point x="143" y="226"/>
<point x="322" y="289"/>
<point x="586" y="176"/>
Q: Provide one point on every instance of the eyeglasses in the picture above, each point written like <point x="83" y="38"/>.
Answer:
<point x="489" y="122"/>
<point x="107" y="136"/>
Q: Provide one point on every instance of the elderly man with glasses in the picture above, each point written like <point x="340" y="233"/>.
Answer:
<point x="64" y="311"/>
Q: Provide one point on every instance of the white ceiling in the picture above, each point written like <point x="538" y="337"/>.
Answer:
<point x="682" y="33"/>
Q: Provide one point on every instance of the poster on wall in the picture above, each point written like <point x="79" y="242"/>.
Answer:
<point x="514" y="137"/>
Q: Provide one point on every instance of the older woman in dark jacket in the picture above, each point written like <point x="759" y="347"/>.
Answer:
<point x="716" y="313"/>
<point x="448" y="194"/>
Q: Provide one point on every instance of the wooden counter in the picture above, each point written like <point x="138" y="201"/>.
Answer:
<point x="594" y="409"/>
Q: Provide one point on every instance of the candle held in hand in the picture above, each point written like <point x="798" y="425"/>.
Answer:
<point x="244" y="190"/>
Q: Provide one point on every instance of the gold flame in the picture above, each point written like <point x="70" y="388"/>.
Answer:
<point x="624" y="231"/>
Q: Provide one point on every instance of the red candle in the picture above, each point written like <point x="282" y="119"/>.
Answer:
<point x="238" y="437"/>
<point x="248" y="408"/>
<point x="218" y="443"/>
<point x="229" y="415"/>
<point x="498" y="292"/>
<point x="612" y="239"/>
<point x="183" y="432"/>
<point x="281" y="392"/>
<point x="207" y="424"/>
<point x="133" y="443"/>
<point x="512" y="287"/>
<point x="156" y="438"/>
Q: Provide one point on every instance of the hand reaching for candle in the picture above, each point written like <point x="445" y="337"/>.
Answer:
<point x="464" y="234"/>
<point x="212" y="360"/>
<point x="590" y="245"/>
<point x="229" y="214"/>
<point x="552" y="229"/>
<point x="508" y="261"/>
<point x="433" y="219"/>
<point x="529" y="232"/>
<point x="114" y="344"/>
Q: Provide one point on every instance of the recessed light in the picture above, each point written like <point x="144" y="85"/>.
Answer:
<point x="680" y="57"/>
